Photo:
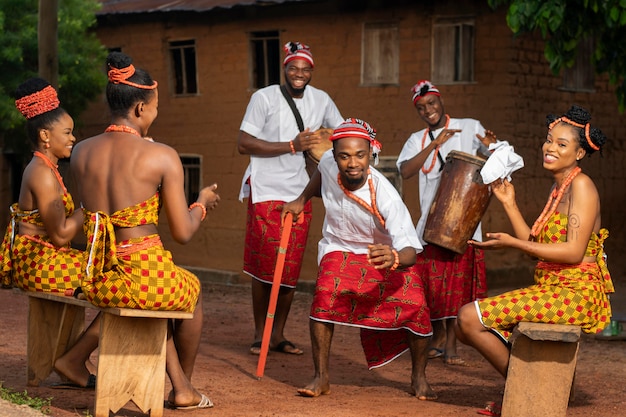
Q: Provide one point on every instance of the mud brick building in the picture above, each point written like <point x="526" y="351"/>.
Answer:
<point x="209" y="56"/>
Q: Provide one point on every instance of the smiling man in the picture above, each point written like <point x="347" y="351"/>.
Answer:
<point x="365" y="256"/>
<point x="271" y="135"/>
<point x="453" y="279"/>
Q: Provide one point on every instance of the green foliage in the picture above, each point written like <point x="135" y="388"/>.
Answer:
<point x="22" y="398"/>
<point x="80" y="54"/>
<point x="564" y="23"/>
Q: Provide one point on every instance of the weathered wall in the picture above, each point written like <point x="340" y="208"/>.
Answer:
<point x="512" y="93"/>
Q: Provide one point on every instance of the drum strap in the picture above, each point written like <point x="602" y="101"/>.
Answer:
<point x="311" y="163"/>
<point x="441" y="161"/>
<point x="292" y="105"/>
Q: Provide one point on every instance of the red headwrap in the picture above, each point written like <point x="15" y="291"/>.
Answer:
<point x="121" y="76"/>
<point x="38" y="103"/>
<point x="423" y="88"/>
<point x="297" y="50"/>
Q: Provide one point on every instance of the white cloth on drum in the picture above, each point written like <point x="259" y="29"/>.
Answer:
<point x="502" y="162"/>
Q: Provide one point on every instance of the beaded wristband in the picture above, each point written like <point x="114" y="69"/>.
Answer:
<point x="202" y="206"/>
<point x="396" y="262"/>
<point x="293" y="149"/>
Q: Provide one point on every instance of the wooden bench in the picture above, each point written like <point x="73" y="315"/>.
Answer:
<point x="131" y="353"/>
<point x="541" y="370"/>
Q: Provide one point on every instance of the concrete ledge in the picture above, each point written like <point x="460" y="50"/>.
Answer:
<point x="219" y="276"/>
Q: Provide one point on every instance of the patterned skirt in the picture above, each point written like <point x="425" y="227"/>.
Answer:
<point x="384" y="304"/>
<point x="452" y="279"/>
<point x="36" y="265"/>
<point x="146" y="279"/>
<point x="561" y="295"/>
<point x="263" y="230"/>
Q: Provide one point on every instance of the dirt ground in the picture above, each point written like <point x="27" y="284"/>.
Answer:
<point x="227" y="372"/>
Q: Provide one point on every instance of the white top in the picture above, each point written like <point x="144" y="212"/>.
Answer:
<point x="349" y="227"/>
<point x="465" y="141"/>
<point x="269" y="117"/>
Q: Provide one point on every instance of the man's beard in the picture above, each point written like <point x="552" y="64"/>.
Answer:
<point x="355" y="181"/>
<point x="297" y="91"/>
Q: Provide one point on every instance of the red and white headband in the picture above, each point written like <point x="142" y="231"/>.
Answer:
<point x="423" y="88"/>
<point x="297" y="50"/>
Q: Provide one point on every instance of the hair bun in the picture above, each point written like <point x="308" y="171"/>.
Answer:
<point x="119" y="60"/>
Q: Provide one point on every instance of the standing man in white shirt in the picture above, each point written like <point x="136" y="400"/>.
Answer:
<point x="277" y="141"/>
<point x="453" y="279"/>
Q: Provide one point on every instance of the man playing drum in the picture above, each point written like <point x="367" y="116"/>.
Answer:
<point x="452" y="279"/>
<point x="270" y="134"/>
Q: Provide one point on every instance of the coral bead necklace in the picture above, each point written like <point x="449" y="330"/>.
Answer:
<point x="435" y="152"/>
<point x="52" y="166"/>
<point x="122" y="128"/>
<point x="371" y="208"/>
<point x="552" y="204"/>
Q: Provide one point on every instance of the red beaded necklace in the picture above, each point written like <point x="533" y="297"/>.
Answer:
<point x="371" y="208"/>
<point x="435" y="152"/>
<point x="53" y="167"/>
<point x="553" y="202"/>
<point x="122" y="128"/>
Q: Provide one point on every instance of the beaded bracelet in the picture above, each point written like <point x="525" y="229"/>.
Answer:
<point x="293" y="148"/>
<point x="202" y="206"/>
<point x="396" y="262"/>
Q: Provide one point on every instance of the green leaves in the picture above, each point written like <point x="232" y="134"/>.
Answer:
<point x="564" y="23"/>
<point x="80" y="54"/>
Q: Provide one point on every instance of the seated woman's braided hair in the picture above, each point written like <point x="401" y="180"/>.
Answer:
<point x="591" y="139"/>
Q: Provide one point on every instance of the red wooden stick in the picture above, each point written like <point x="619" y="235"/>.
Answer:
<point x="271" y="308"/>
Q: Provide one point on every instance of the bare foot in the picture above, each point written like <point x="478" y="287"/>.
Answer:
<point x="77" y="374"/>
<point x="423" y="391"/>
<point x="315" y="389"/>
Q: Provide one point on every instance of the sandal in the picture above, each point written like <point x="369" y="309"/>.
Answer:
<point x="434" y="353"/>
<point x="491" y="409"/>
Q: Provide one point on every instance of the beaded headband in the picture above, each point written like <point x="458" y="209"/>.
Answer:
<point x="121" y="76"/>
<point x="573" y="123"/>
<point x="297" y="50"/>
<point x="423" y="88"/>
<point x="38" y="103"/>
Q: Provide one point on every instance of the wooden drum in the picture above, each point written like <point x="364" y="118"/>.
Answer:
<point x="460" y="202"/>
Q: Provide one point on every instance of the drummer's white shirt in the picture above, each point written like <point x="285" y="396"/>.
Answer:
<point x="348" y="227"/>
<point x="269" y="117"/>
<point x="465" y="141"/>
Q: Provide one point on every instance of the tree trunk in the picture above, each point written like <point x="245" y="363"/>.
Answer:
<point x="47" y="41"/>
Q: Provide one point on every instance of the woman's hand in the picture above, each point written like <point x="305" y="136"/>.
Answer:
<point x="495" y="241"/>
<point x="504" y="191"/>
<point x="209" y="197"/>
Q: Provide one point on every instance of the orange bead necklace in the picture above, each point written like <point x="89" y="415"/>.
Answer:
<point x="53" y="167"/>
<point x="122" y="128"/>
<point x="371" y="208"/>
<point x="435" y="152"/>
<point x="552" y="204"/>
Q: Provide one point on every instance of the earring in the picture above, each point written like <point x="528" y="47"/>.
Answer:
<point x="47" y="145"/>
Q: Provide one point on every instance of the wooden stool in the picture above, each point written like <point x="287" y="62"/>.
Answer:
<point x="541" y="370"/>
<point x="131" y="351"/>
